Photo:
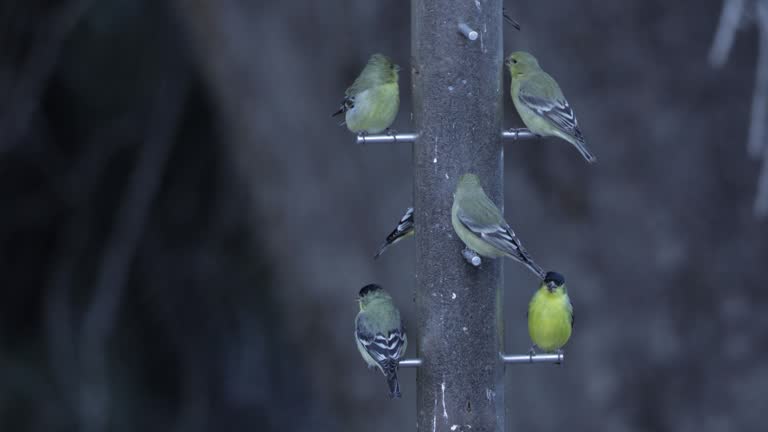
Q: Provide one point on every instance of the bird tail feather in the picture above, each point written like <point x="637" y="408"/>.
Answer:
<point x="581" y="145"/>
<point x="392" y="381"/>
<point x="381" y="250"/>
<point x="340" y="111"/>
<point x="535" y="268"/>
<point x="525" y="258"/>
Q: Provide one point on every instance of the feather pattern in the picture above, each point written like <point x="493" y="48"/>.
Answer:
<point x="555" y="109"/>
<point x="403" y="229"/>
<point x="381" y="337"/>
<point x="502" y="237"/>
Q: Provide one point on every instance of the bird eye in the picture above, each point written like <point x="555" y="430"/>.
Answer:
<point x="514" y="61"/>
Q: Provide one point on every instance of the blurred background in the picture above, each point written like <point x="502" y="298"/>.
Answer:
<point x="184" y="229"/>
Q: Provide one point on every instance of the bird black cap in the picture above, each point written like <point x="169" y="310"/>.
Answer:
<point x="368" y="289"/>
<point x="555" y="278"/>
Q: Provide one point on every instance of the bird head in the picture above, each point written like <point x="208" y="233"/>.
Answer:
<point x="469" y="184"/>
<point x="383" y="67"/>
<point x="553" y="281"/>
<point x="368" y="293"/>
<point x="468" y="181"/>
<point x="521" y="63"/>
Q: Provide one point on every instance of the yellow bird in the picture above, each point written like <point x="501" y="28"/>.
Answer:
<point x="550" y="315"/>
<point x="371" y="103"/>
<point x="541" y="104"/>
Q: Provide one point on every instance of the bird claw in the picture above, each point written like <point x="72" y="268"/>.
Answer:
<point x="560" y="354"/>
<point x="532" y="353"/>
<point x="392" y="133"/>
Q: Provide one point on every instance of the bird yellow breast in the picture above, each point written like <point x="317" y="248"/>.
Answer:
<point x="549" y="320"/>
<point x="375" y="109"/>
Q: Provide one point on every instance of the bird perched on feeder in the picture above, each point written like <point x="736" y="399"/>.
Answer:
<point x="372" y="101"/>
<point x="403" y="230"/>
<point x="480" y="225"/>
<point x="550" y="315"/>
<point x="541" y="104"/>
<point x="380" y="334"/>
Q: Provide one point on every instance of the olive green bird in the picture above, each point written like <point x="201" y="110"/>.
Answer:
<point x="404" y="229"/>
<point x="480" y="225"/>
<point x="550" y="315"/>
<point x="541" y="104"/>
<point x="380" y="334"/>
<point x="371" y="103"/>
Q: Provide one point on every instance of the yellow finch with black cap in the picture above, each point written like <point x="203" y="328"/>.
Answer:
<point x="550" y="315"/>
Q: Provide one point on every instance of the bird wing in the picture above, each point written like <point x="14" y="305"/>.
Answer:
<point x="404" y="228"/>
<point x="346" y="104"/>
<point x="382" y="348"/>
<point x="367" y="80"/>
<point x="488" y="224"/>
<point x="405" y="225"/>
<point x="544" y="97"/>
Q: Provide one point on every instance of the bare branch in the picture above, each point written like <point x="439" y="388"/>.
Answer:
<point x="758" y="130"/>
<point x="34" y="74"/>
<point x="730" y="18"/>
<point x="76" y="188"/>
<point x="59" y="321"/>
<point x="758" y="134"/>
<point x="761" y="196"/>
<point x="120" y="249"/>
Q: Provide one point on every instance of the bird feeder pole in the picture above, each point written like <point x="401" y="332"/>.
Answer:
<point x="456" y="71"/>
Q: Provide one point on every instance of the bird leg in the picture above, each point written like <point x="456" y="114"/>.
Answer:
<point x="391" y="132"/>
<point x="532" y="352"/>
<point x="559" y="353"/>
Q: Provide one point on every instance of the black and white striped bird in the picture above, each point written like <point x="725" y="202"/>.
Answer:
<point x="403" y="230"/>
<point x="380" y="334"/>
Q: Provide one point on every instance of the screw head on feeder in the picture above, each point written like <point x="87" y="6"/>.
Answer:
<point x="468" y="32"/>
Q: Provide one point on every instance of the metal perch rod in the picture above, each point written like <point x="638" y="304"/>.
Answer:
<point x="533" y="358"/>
<point x="507" y="359"/>
<point x="518" y="134"/>
<point x="410" y="363"/>
<point x="511" y="134"/>
<point x="407" y="137"/>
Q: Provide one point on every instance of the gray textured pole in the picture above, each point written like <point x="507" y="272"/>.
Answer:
<point x="457" y="89"/>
